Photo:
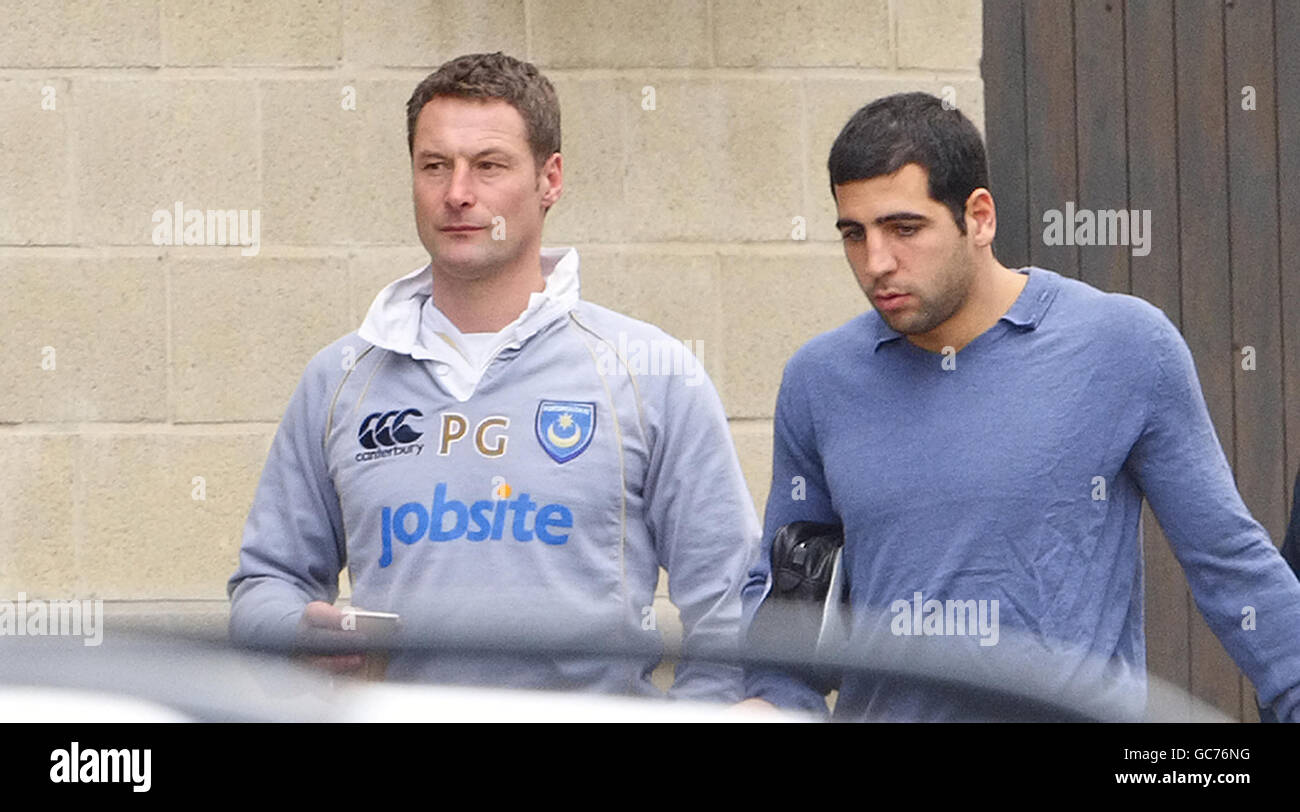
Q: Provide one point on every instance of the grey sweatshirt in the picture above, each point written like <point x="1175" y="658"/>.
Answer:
<point x="533" y="497"/>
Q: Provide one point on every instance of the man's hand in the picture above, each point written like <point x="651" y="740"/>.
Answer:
<point x="755" y="705"/>
<point x="322" y="622"/>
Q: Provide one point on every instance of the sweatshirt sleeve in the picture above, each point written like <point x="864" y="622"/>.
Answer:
<point x="702" y="519"/>
<point x="799" y="493"/>
<point x="1244" y="589"/>
<point x="293" y="543"/>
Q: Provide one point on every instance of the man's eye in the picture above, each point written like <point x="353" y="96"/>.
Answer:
<point x="433" y="166"/>
<point x="490" y="165"/>
<point x="906" y="230"/>
<point x="852" y="236"/>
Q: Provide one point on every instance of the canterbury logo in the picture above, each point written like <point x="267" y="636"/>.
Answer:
<point x="388" y="429"/>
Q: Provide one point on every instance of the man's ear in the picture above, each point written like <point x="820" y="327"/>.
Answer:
<point x="981" y="217"/>
<point x="551" y="180"/>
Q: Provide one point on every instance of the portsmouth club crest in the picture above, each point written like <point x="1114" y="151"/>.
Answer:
<point x="565" y="427"/>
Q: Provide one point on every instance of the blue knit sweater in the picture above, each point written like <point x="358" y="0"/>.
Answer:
<point x="1014" y="471"/>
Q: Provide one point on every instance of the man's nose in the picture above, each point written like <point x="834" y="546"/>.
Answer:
<point x="460" y="192"/>
<point x="879" y="256"/>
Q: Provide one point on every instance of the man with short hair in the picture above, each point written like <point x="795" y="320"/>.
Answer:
<point x="482" y="456"/>
<point x="985" y="437"/>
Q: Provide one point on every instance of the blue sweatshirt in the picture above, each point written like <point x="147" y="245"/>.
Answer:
<point x="533" y="495"/>
<point x="1014" y="471"/>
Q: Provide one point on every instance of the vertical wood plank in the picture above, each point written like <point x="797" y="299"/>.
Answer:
<point x="1153" y="185"/>
<point x="1050" y="119"/>
<point x="1260" y="462"/>
<point x="1102" y="161"/>
<point x="1003" y="69"/>
<point x="1286" y="35"/>
<point x="1207" y="290"/>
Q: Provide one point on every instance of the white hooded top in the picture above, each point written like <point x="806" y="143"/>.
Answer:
<point x="403" y="318"/>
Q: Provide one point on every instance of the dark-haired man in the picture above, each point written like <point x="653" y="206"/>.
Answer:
<point x="985" y="436"/>
<point x="480" y="454"/>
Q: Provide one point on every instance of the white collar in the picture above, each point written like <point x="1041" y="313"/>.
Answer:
<point x="404" y="319"/>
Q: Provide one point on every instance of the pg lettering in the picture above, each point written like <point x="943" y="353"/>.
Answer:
<point x="412" y="522"/>
<point x="456" y="426"/>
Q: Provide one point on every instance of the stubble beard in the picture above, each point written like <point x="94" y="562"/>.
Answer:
<point x="931" y="311"/>
<point x="486" y="261"/>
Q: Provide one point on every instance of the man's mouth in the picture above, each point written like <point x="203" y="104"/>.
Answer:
<point x="462" y="228"/>
<point x="890" y="301"/>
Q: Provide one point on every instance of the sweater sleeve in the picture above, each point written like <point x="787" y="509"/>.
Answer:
<point x="705" y="530"/>
<point x="1243" y="588"/>
<point x="799" y="492"/>
<point x="293" y="544"/>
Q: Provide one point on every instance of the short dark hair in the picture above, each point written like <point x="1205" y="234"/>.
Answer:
<point x="918" y="128"/>
<point x="495" y="76"/>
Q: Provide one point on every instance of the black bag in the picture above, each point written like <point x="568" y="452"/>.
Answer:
<point x="788" y="622"/>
